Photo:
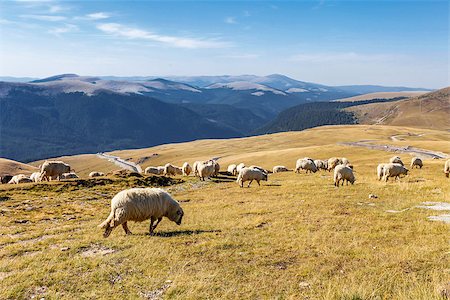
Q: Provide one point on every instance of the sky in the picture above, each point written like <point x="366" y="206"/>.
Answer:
<point x="330" y="42"/>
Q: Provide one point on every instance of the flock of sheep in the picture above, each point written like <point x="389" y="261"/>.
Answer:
<point x="140" y="204"/>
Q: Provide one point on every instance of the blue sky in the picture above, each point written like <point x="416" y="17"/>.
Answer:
<point x="329" y="42"/>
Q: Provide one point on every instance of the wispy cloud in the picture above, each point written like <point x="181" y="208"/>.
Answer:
<point x="64" y="29"/>
<point x="241" y="56"/>
<point x="339" y="57"/>
<point x="230" y="20"/>
<point x="174" y="41"/>
<point x="44" y="18"/>
<point x="98" y="16"/>
<point x="247" y="13"/>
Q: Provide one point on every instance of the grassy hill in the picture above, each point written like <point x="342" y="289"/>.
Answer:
<point x="431" y="110"/>
<point x="11" y="167"/>
<point x="382" y="95"/>
<point x="297" y="236"/>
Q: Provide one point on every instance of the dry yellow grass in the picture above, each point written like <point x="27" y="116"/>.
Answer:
<point x="295" y="237"/>
<point x="11" y="167"/>
<point x="431" y="110"/>
<point x="381" y="95"/>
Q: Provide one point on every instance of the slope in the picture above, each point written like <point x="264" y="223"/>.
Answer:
<point x="431" y="110"/>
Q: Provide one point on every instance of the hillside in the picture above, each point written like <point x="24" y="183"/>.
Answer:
<point x="11" y="167"/>
<point x="35" y="126"/>
<point x="382" y="95"/>
<point x="430" y="110"/>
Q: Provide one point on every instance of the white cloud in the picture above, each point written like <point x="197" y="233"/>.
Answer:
<point x="230" y="20"/>
<point x="337" y="57"/>
<point x="65" y="29"/>
<point x="242" y="56"/>
<point x="174" y="41"/>
<point x="98" y="16"/>
<point x="44" y="18"/>
<point x="56" y="8"/>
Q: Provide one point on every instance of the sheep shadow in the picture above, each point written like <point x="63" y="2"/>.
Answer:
<point x="182" y="232"/>
<point x="219" y="179"/>
<point x="273" y="184"/>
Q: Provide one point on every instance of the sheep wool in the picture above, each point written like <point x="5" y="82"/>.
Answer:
<point x="416" y="162"/>
<point x="394" y="170"/>
<point x="279" y="169"/>
<point x="344" y="173"/>
<point x="53" y="169"/>
<point x="250" y="174"/>
<point x="186" y="169"/>
<point x="140" y="204"/>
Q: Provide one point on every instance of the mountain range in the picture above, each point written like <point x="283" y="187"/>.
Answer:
<point x="71" y="114"/>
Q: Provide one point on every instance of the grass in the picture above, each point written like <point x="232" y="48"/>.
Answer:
<point x="295" y="237"/>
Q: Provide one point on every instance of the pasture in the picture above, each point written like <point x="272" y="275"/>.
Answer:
<point x="295" y="237"/>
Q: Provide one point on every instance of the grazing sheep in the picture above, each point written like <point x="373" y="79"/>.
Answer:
<point x="332" y="163"/>
<point x="305" y="164"/>
<point x="69" y="176"/>
<point x="250" y="174"/>
<point x="186" y="169"/>
<point x="53" y="169"/>
<point x="205" y="169"/>
<point x="36" y="176"/>
<point x="321" y="164"/>
<point x="194" y="167"/>
<point x="216" y="168"/>
<point x="380" y="171"/>
<point x="447" y="168"/>
<point x="396" y="160"/>
<point x="416" y="162"/>
<point x="154" y="170"/>
<point x="394" y="170"/>
<point x="344" y="161"/>
<point x="140" y="204"/>
<point x="344" y="173"/>
<point x="232" y="169"/>
<point x="20" y="179"/>
<point x="96" y="174"/>
<point x="171" y="170"/>
<point x="279" y="169"/>
<point x="240" y="167"/>
<point x="6" y="178"/>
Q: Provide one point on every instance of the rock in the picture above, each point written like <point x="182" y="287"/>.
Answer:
<point x="372" y="196"/>
<point x="304" y="285"/>
<point x="65" y="248"/>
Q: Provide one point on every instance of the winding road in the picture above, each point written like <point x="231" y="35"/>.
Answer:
<point x="127" y="165"/>
<point x="391" y="148"/>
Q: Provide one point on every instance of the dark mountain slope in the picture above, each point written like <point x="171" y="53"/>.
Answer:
<point x="34" y="127"/>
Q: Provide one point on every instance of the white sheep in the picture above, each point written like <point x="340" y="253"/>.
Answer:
<point x="186" y="168"/>
<point x="380" y="171"/>
<point x="154" y="170"/>
<point x="69" y="176"/>
<point x="232" y="169"/>
<point x="216" y="168"/>
<point x="239" y="167"/>
<point x="205" y="169"/>
<point x="447" y="168"/>
<point x="279" y="169"/>
<point x="344" y="161"/>
<point x="394" y="170"/>
<point x="96" y="174"/>
<point x="250" y="174"/>
<point x="344" y="173"/>
<point x="416" y="162"/>
<point x="305" y="164"/>
<point x="171" y="170"/>
<point x="140" y="204"/>
<point x="321" y="164"/>
<point x="332" y="163"/>
<point x="53" y="169"/>
<point x="36" y="176"/>
<point x="21" y="178"/>
<point x="194" y="167"/>
<point x="396" y="160"/>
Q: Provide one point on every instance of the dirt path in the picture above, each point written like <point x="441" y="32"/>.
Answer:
<point x="128" y="165"/>
<point x="391" y="148"/>
<point x="397" y="138"/>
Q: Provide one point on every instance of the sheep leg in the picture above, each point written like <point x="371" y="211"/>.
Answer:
<point x="250" y="183"/>
<point x="258" y="182"/>
<point x="152" y="220"/>
<point x="159" y="220"/>
<point x="125" y="227"/>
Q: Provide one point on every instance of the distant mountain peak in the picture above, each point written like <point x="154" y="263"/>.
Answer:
<point x="56" y="77"/>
